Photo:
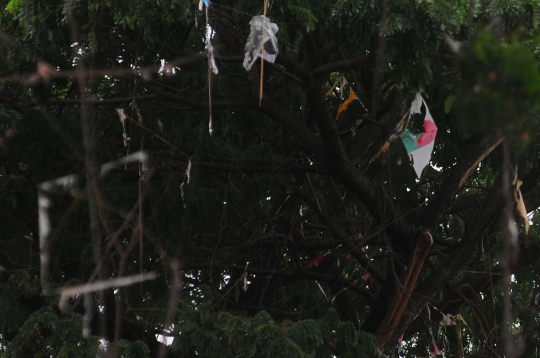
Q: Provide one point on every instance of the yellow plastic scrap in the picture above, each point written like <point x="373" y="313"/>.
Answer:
<point x="352" y="97"/>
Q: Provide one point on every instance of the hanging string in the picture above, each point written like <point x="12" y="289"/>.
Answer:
<point x="262" y="58"/>
<point x="210" y="54"/>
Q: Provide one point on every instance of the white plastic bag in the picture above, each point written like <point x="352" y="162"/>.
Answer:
<point x="262" y="41"/>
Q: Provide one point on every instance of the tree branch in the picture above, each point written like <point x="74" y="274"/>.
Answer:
<point x="454" y="263"/>
<point x="340" y="238"/>
<point x="455" y="179"/>
<point x="278" y="168"/>
<point x="342" y="65"/>
<point x="295" y="275"/>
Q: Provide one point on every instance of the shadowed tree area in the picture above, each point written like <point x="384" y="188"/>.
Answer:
<point x="298" y="227"/>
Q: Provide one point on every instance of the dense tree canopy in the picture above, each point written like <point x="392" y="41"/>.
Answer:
<point x="287" y="232"/>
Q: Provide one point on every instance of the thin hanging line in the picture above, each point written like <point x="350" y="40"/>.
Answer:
<point x="262" y="57"/>
<point x="208" y="39"/>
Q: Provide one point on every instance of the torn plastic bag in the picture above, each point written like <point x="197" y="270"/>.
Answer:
<point x="262" y="41"/>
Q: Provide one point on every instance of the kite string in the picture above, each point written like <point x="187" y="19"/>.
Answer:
<point x="262" y="57"/>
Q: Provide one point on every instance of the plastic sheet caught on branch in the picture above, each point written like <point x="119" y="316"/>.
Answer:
<point x="262" y="41"/>
<point x="457" y="322"/>
<point x="210" y="50"/>
<point x="520" y="204"/>
<point x="122" y="116"/>
<point x="345" y="105"/>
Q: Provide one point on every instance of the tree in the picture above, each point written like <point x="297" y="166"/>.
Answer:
<point x="287" y="231"/>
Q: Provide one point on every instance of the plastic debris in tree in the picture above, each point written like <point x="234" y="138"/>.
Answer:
<point x="419" y="146"/>
<point x="338" y="89"/>
<point x="345" y="105"/>
<point x="316" y="261"/>
<point x="187" y="178"/>
<point x="212" y="68"/>
<point x="449" y="320"/>
<point x="262" y="42"/>
<point x="400" y="343"/>
<point x="244" y="278"/>
<point x="366" y="276"/>
<point x="203" y="3"/>
<point x="123" y="117"/>
<point x="520" y="204"/>
<point x="456" y="321"/>
<point x="211" y="61"/>
<point x="342" y="81"/>
<point x="395" y="134"/>
<point x="432" y="346"/>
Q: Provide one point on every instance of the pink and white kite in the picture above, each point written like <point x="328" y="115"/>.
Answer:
<point x="419" y="146"/>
